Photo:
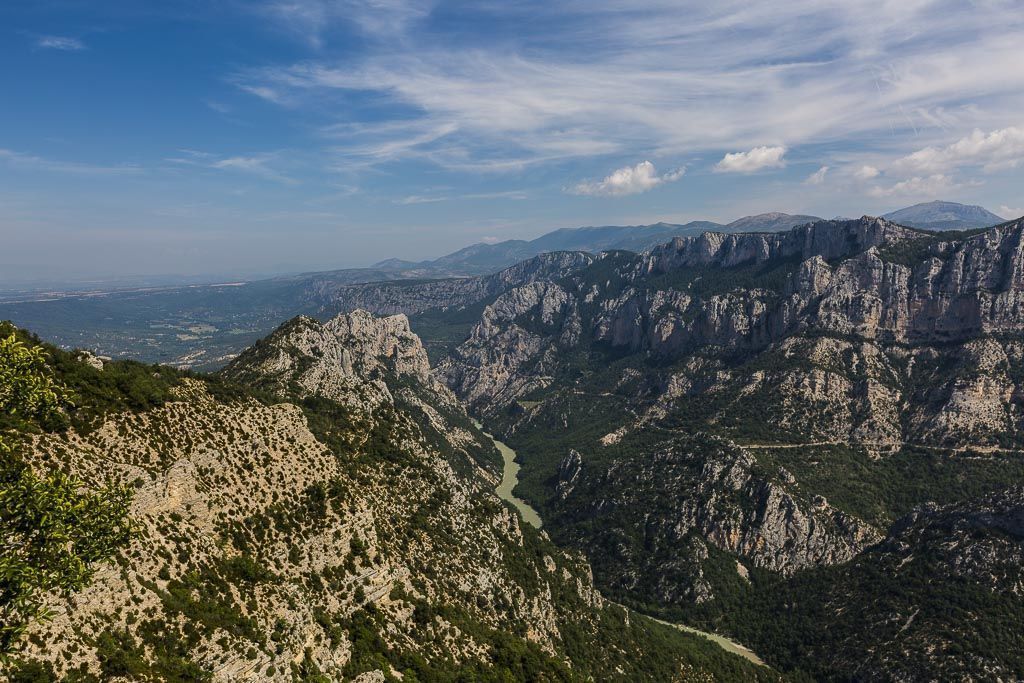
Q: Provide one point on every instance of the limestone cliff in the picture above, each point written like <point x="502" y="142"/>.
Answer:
<point x="844" y="315"/>
<point x="775" y="399"/>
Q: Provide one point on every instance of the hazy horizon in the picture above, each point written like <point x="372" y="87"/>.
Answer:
<point x="40" y="281"/>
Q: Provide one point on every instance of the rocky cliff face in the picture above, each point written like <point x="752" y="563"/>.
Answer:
<point x="364" y="362"/>
<point x="681" y="497"/>
<point x="825" y="239"/>
<point x="860" y="309"/>
<point x="342" y="528"/>
<point x="772" y="400"/>
<point x="868" y="278"/>
<point x="348" y="356"/>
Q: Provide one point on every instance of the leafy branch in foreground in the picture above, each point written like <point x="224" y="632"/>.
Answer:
<point x="53" y="531"/>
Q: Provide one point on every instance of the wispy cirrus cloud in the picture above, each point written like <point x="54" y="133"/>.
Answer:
<point x="516" y="195"/>
<point x="218" y="106"/>
<point x="626" y="181"/>
<point x="380" y="142"/>
<point x="265" y="93"/>
<point x="311" y="20"/>
<point x="708" y="78"/>
<point x="60" y="43"/>
<point x="31" y="161"/>
<point x="260" y="165"/>
<point x="818" y="177"/>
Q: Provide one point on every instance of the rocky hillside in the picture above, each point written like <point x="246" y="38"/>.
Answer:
<point x="730" y="411"/>
<point x="322" y="511"/>
<point x="941" y="594"/>
<point x="363" y="362"/>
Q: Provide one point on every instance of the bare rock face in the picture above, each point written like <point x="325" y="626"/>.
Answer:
<point x="867" y="278"/>
<point x="502" y="343"/>
<point x="365" y="362"/>
<point x="858" y="307"/>
<point x="355" y="358"/>
<point x="370" y="344"/>
<point x="568" y="473"/>
<point x="826" y="240"/>
<point x="333" y="357"/>
<point x="697" y="487"/>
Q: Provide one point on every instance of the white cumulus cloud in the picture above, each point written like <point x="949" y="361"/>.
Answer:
<point x="627" y="180"/>
<point x="1010" y="212"/>
<point x="999" y="149"/>
<point x="866" y="172"/>
<point x="919" y="186"/>
<point x="754" y="160"/>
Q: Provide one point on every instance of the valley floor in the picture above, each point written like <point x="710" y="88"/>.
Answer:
<point x="509" y="480"/>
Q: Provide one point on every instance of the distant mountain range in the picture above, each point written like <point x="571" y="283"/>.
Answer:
<point x="479" y="259"/>
<point x="945" y="216"/>
<point x="483" y="258"/>
<point x="205" y="325"/>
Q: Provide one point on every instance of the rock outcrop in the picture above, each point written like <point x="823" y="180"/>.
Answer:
<point x="364" y="362"/>
<point x="686" y="495"/>
<point x="332" y="358"/>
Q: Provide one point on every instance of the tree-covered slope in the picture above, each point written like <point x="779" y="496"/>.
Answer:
<point x="939" y="597"/>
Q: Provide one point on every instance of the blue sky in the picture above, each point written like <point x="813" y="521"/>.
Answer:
<point x="231" y="137"/>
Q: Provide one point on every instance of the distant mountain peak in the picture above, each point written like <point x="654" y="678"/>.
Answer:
<point x="772" y="221"/>
<point x="767" y="215"/>
<point x="394" y="264"/>
<point x="943" y="215"/>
